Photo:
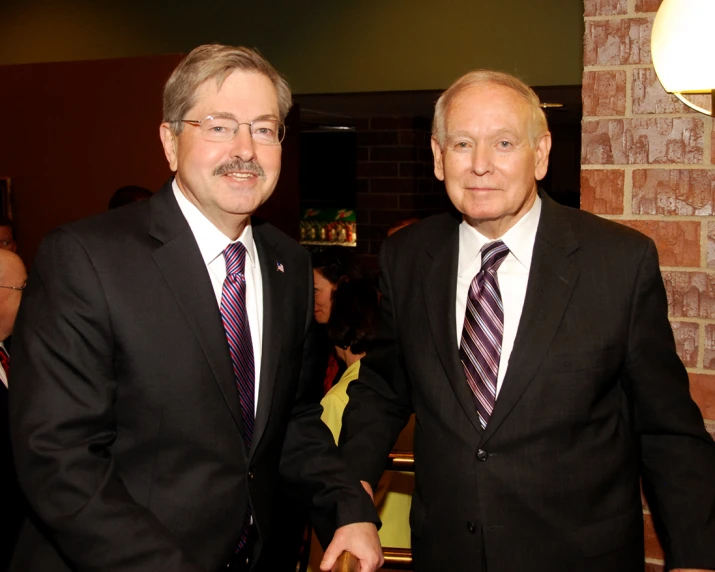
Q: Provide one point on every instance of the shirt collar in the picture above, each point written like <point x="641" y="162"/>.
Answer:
<point x="519" y="239"/>
<point x="212" y="242"/>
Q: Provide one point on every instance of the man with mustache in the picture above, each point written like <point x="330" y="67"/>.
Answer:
<point x="162" y="357"/>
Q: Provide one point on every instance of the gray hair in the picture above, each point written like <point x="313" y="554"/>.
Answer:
<point x="537" y="125"/>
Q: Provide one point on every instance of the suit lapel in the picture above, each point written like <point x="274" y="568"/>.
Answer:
<point x="179" y="260"/>
<point x="274" y="284"/>
<point x="551" y="281"/>
<point x="439" y="265"/>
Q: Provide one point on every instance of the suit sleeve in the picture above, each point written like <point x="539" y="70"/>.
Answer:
<point x="677" y="454"/>
<point x="310" y="462"/>
<point x="379" y="404"/>
<point x="64" y="424"/>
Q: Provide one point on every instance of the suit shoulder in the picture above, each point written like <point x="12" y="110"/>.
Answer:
<point x="589" y="227"/>
<point x="422" y="233"/>
<point x="117" y="227"/>
<point x="112" y="223"/>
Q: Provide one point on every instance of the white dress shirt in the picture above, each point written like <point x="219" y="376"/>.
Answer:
<point x="513" y="275"/>
<point x="212" y="242"/>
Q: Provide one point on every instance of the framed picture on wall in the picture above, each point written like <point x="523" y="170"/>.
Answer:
<point x="5" y="198"/>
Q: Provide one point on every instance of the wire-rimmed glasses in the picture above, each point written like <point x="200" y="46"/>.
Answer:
<point x="221" y="129"/>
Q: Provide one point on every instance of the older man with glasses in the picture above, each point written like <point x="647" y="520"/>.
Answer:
<point x="163" y="357"/>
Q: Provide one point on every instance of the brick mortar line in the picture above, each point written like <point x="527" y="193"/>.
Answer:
<point x="690" y="270"/>
<point x="633" y="16"/>
<point x="629" y="94"/>
<point x="701" y="370"/>
<point x="660" y="218"/>
<point x="694" y="114"/>
<point x="628" y="191"/>
<point x="701" y="346"/>
<point x="707" y="140"/>
<point x="691" y="320"/>
<point x="616" y="67"/>
<point x="653" y="166"/>
<point x="631" y="7"/>
<point x="654" y="561"/>
<point x="704" y="244"/>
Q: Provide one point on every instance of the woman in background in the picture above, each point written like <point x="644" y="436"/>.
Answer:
<point x="351" y="327"/>
<point x="330" y="265"/>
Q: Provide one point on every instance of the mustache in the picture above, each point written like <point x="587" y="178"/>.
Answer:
<point x="240" y="165"/>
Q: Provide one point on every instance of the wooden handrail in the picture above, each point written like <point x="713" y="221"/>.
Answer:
<point x="346" y="562"/>
<point x="401" y="461"/>
<point x="395" y="559"/>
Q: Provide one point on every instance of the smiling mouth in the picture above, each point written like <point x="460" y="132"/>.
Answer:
<point x="241" y="176"/>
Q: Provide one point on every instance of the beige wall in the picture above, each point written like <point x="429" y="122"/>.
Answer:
<point x="320" y="45"/>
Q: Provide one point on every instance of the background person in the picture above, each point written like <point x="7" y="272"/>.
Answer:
<point x="352" y="328"/>
<point x="7" y="235"/>
<point x="330" y="265"/>
<point x="129" y="194"/>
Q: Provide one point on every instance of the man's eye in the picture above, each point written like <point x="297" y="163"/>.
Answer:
<point x="219" y="129"/>
<point x="504" y="144"/>
<point x="460" y="145"/>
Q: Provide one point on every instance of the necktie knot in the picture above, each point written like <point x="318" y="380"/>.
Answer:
<point x="235" y="257"/>
<point x="493" y="254"/>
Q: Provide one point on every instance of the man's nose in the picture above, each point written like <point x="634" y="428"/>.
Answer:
<point x="482" y="159"/>
<point x="242" y="145"/>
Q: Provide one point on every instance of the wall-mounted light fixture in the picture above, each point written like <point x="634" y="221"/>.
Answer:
<point x="683" y="50"/>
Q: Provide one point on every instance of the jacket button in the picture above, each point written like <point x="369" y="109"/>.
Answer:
<point x="482" y="455"/>
<point x="251" y="476"/>
<point x="471" y="527"/>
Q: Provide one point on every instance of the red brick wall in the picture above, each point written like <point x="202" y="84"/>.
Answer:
<point x="648" y="161"/>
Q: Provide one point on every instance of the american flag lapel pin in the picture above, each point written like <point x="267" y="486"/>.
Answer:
<point x="279" y="267"/>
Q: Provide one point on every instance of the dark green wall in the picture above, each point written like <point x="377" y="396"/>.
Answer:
<point x="321" y="46"/>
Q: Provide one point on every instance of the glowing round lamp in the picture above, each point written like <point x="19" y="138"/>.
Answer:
<point x="683" y="49"/>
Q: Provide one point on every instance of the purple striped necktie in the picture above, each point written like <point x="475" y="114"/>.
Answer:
<point x="238" y="334"/>
<point x="480" y="347"/>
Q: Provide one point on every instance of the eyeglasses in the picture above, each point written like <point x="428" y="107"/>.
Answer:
<point x="19" y="288"/>
<point x="222" y="129"/>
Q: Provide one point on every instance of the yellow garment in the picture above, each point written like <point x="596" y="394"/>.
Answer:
<point x="393" y="496"/>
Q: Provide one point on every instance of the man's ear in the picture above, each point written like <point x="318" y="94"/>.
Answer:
<point x="438" y="159"/>
<point x="169" y="141"/>
<point x="543" y="148"/>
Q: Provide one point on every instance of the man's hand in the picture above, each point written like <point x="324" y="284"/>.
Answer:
<point x="359" y="538"/>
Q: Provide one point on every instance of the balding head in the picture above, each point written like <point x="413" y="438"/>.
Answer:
<point x="12" y="279"/>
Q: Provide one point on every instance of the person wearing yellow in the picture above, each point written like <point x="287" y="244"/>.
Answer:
<point x="351" y="328"/>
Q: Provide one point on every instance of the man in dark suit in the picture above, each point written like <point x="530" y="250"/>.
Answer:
<point x="162" y="357"/>
<point x="12" y="282"/>
<point x="532" y="342"/>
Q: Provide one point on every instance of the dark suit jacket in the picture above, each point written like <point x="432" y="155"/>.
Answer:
<point x="11" y="499"/>
<point x="594" y="396"/>
<point x="127" y="423"/>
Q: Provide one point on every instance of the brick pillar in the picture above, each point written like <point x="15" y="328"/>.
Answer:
<point x="648" y="161"/>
